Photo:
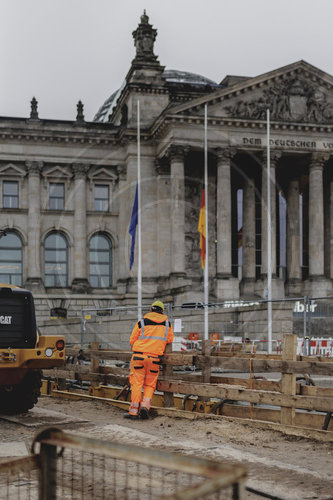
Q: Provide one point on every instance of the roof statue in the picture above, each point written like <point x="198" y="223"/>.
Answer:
<point x="144" y="38"/>
<point x="34" y="109"/>
<point x="80" y="115"/>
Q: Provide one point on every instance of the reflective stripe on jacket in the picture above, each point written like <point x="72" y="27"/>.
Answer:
<point x="151" y="334"/>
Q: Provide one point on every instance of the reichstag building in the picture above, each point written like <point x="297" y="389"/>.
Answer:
<point x="67" y="188"/>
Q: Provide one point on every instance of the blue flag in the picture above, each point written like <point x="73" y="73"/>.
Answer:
<point x="133" y="224"/>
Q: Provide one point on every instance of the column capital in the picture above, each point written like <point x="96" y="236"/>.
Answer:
<point x="80" y="170"/>
<point x="318" y="160"/>
<point x="225" y="154"/>
<point x="177" y="152"/>
<point x="274" y="158"/>
<point x="162" y="166"/>
<point x="34" y="167"/>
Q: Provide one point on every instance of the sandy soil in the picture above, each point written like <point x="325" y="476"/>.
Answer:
<point x="283" y="466"/>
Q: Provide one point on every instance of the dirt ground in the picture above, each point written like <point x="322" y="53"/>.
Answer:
<point x="282" y="466"/>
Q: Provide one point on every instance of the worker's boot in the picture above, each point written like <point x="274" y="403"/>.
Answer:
<point x="144" y="413"/>
<point x="131" y="417"/>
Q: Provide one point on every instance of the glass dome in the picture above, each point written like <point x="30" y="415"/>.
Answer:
<point x="172" y="76"/>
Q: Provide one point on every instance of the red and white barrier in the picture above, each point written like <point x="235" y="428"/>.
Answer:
<point x="318" y="347"/>
<point x="179" y="344"/>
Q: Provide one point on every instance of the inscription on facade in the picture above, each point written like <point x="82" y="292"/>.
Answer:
<point x="289" y="143"/>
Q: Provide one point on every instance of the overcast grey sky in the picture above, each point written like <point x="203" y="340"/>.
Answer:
<point x="61" y="51"/>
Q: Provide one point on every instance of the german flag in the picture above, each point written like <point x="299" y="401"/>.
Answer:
<point x="202" y="229"/>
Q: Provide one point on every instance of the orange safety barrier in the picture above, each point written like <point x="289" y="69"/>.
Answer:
<point x="193" y="336"/>
<point x="214" y="338"/>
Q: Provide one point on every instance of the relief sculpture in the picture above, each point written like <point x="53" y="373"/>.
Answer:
<point x="290" y="100"/>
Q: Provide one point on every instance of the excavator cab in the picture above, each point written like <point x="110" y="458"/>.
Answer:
<point x="23" y="351"/>
<point x="17" y="319"/>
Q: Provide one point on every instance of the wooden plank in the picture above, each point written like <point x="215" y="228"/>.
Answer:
<point x="312" y="365"/>
<point x="94" y="360"/>
<point x="245" y="355"/>
<point x="100" y="353"/>
<point x="302" y="418"/>
<point x="112" y="370"/>
<point x="315" y="390"/>
<point x="74" y="351"/>
<point x="319" y="359"/>
<point x="108" y="354"/>
<point x="82" y="372"/>
<point x="267" y="365"/>
<point x="249" y="395"/>
<point x="267" y="385"/>
<point x="288" y="380"/>
<point x="309" y="433"/>
<point x="84" y="376"/>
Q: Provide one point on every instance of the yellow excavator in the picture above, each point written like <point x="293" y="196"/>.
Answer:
<point x="23" y="351"/>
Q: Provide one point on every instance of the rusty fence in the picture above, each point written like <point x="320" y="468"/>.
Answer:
<point x="66" y="466"/>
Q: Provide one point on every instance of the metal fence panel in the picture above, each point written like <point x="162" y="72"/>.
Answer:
<point x="67" y="466"/>
<point x="19" y="479"/>
<point x="229" y="321"/>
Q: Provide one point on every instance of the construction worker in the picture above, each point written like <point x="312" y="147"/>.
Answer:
<point x="148" y="340"/>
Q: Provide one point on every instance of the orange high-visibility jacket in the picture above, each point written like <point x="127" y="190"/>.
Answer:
<point x="151" y="334"/>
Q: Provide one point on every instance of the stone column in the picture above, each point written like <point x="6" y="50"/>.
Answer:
<point x="163" y="219"/>
<point x="249" y="238"/>
<point x="121" y="255"/>
<point x="294" y="284"/>
<point x="330" y="254"/>
<point x="277" y="284"/>
<point x="316" y="284"/>
<point x="273" y="161"/>
<point x="80" y="283"/>
<point x="177" y="193"/>
<point x="34" y="280"/>
<point x="226" y="285"/>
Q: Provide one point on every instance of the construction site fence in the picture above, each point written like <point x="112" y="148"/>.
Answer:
<point x="295" y="385"/>
<point x="67" y="466"/>
<point x="310" y="318"/>
<point x="305" y="346"/>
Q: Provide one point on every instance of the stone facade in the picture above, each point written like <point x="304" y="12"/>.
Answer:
<point x="93" y="165"/>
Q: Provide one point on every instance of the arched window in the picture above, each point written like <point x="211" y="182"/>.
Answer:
<point x="100" y="259"/>
<point x="56" y="260"/>
<point x="11" y="259"/>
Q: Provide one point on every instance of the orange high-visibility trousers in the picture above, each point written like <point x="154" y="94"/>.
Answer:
<point x="144" y="372"/>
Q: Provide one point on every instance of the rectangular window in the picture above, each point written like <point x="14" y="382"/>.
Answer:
<point x="57" y="196"/>
<point x="101" y="198"/>
<point x="10" y="194"/>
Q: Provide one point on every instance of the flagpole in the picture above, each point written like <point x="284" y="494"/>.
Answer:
<point x="206" y="296"/>
<point x="139" y="217"/>
<point x="269" y="241"/>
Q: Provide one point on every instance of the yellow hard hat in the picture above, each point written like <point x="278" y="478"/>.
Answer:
<point x="158" y="303"/>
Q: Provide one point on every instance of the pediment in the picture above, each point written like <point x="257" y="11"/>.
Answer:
<point x="102" y="174"/>
<point x="296" y="93"/>
<point x="57" y="172"/>
<point x="11" y="170"/>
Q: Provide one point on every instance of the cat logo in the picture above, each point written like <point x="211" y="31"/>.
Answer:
<point x="6" y="320"/>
